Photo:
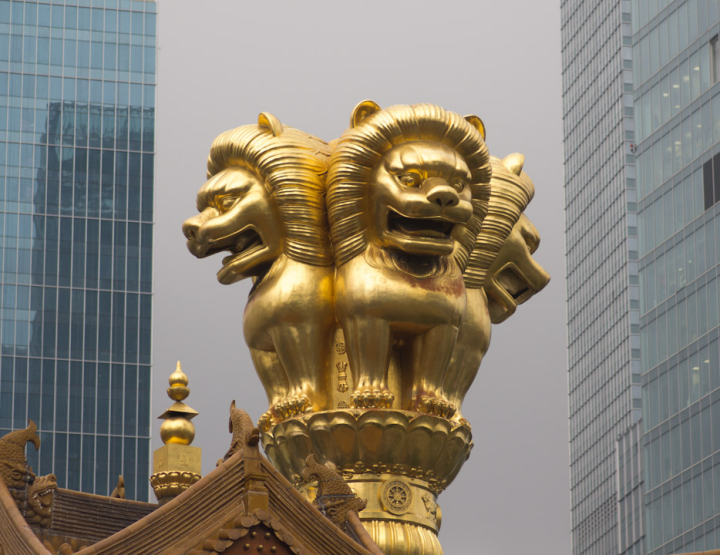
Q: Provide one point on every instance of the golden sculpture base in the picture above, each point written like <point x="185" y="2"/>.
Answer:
<point x="402" y="515"/>
<point x="398" y="461"/>
<point x="175" y="468"/>
<point x="168" y="485"/>
<point x="402" y="538"/>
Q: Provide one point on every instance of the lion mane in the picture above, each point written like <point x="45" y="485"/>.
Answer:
<point x="293" y="165"/>
<point x="359" y="150"/>
<point x="511" y="190"/>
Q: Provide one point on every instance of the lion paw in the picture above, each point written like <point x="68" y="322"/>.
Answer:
<point x="373" y="399"/>
<point x="293" y="406"/>
<point x="436" y="406"/>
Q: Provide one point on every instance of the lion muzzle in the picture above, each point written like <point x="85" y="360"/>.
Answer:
<point x="440" y="193"/>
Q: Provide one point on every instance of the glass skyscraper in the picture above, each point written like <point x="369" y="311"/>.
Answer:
<point x="677" y="128"/>
<point x="602" y="270"/>
<point x="77" y="98"/>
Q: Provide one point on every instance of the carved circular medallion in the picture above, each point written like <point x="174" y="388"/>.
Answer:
<point x="396" y="497"/>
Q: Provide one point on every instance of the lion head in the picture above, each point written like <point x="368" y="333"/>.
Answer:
<point x="265" y="196"/>
<point x="40" y="499"/>
<point x="514" y="276"/>
<point x="511" y="190"/>
<point x="411" y="179"/>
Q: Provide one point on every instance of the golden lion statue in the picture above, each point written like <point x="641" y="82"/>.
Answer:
<point x="380" y="262"/>
<point x="264" y="202"/>
<point x="500" y="274"/>
<point x="404" y="232"/>
<point x="408" y="188"/>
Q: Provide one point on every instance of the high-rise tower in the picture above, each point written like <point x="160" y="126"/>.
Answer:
<point x="677" y="130"/>
<point x="77" y="87"/>
<point x="602" y="273"/>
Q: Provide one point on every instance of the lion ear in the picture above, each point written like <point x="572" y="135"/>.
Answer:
<point x="267" y="121"/>
<point x="363" y="110"/>
<point x="514" y="162"/>
<point x="477" y="123"/>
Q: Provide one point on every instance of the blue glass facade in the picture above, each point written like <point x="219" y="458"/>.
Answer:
<point x="677" y="100"/>
<point x="77" y="119"/>
<point x="630" y="491"/>
<point x="602" y="273"/>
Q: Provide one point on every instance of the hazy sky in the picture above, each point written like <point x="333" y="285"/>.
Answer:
<point x="224" y="61"/>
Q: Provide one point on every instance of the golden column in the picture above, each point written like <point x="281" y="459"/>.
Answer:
<point x="176" y="465"/>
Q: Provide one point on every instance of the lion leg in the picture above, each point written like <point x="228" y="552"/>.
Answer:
<point x="273" y="378"/>
<point x="472" y="343"/>
<point x="462" y="370"/>
<point x="432" y="352"/>
<point x="369" y="341"/>
<point x="304" y="353"/>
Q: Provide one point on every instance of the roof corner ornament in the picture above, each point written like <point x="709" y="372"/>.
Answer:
<point x="335" y="499"/>
<point x="244" y="433"/>
<point x="119" y="491"/>
<point x="33" y="494"/>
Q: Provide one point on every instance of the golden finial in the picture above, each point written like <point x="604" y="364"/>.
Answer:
<point x="178" y="390"/>
<point x="176" y="465"/>
<point x="177" y="427"/>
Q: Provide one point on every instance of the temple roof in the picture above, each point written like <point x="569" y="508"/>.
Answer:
<point x="244" y="500"/>
<point x="94" y="517"/>
<point x="16" y="536"/>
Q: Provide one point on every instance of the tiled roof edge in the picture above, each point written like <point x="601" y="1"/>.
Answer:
<point x="105" y="498"/>
<point x="110" y="542"/>
<point x="16" y="537"/>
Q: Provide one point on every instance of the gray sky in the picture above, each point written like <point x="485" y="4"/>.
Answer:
<point x="309" y="63"/>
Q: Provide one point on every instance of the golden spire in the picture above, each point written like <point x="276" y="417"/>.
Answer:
<point x="176" y="465"/>
<point x="177" y="427"/>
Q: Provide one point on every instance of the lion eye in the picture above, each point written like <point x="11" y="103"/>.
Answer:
<point x="225" y="203"/>
<point x="458" y="185"/>
<point x="409" y="180"/>
<point x="532" y="242"/>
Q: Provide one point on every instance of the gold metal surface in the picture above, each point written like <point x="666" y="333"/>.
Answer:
<point x="514" y="276"/>
<point x="500" y="274"/>
<point x="402" y="443"/>
<point x="408" y="187"/>
<point x="379" y="263"/>
<point x="177" y="426"/>
<point x="168" y="485"/>
<point x="176" y="465"/>
<point x="172" y="457"/>
<point x="264" y="202"/>
<point x="398" y="461"/>
<point x="403" y="538"/>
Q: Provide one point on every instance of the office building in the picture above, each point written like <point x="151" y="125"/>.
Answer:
<point x="602" y="272"/>
<point x="677" y="128"/>
<point x="77" y="94"/>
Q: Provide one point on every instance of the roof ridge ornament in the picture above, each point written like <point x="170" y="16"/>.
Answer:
<point x="244" y="433"/>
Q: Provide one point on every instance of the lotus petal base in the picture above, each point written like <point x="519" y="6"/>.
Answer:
<point x="398" y="461"/>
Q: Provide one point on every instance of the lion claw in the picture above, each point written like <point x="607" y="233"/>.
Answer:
<point x="293" y="406"/>
<point x="436" y="406"/>
<point x="373" y="399"/>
